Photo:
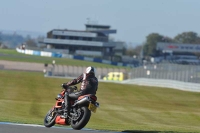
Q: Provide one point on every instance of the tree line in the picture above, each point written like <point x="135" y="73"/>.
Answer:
<point x="149" y="47"/>
<point x="14" y="40"/>
<point x="11" y="40"/>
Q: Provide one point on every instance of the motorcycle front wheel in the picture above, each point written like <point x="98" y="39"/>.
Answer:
<point x="49" y="119"/>
<point x="81" y="119"/>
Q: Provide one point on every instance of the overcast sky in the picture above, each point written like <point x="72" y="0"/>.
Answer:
<point x="133" y="19"/>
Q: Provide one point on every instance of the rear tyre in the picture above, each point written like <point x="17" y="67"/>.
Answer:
<point x="49" y="119"/>
<point x="82" y="119"/>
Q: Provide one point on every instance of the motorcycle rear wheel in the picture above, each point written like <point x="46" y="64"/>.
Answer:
<point x="82" y="120"/>
<point x="49" y="119"/>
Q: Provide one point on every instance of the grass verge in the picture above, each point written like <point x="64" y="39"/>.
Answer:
<point x="13" y="55"/>
<point x="25" y="97"/>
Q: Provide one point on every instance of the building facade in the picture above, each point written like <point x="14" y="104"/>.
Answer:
<point x="180" y="53"/>
<point x="93" y="41"/>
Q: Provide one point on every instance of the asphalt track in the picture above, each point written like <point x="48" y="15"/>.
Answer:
<point x="30" y="128"/>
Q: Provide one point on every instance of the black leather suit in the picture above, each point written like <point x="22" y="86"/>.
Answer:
<point x="89" y="85"/>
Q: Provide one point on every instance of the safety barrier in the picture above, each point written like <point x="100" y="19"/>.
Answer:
<point x="77" y="57"/>
<point x="39" y="53"/>
<point x="186" y="86"/>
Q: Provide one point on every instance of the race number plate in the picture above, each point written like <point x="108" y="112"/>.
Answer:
<point x="92" y="107"/>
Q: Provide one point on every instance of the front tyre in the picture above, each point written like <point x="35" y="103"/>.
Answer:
<point x="81" y="119"/>
<point x="49" y="119"/>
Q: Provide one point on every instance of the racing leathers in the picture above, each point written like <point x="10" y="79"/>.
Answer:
<point x="89" y="85"/>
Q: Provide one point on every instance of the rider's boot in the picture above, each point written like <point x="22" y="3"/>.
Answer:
<point x="66" y="109"/>
<point x="66" y="112"/>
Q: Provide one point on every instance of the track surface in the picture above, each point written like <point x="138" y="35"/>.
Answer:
<point x="26" y="128"/>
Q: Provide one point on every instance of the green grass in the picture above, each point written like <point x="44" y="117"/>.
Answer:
<point x="13" y="55"/>
<point x="25" y="97"/>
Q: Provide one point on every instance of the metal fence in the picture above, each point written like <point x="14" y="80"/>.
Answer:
<point x="169" y="71"/>
<point x="75" y="71"/>
<point x="178" y="72"/>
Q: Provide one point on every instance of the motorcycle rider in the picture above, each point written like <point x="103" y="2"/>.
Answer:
<point x="89" y="85"/>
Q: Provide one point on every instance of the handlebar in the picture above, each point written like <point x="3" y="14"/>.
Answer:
<point x="71" y="89"/>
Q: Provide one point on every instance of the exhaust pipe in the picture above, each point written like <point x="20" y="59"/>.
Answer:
<point x="83" y="101"/>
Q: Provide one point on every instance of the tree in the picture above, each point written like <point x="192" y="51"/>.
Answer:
<point x="187" y="37"/>
<point x="134" y="50"/>
<point x="31" y="43"/>
<point x="0" y="38"/>
<point x="28" y="37"/>
<point x="151" y="42"/>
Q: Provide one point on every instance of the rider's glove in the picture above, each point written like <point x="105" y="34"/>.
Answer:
<point x="64" y="85"/>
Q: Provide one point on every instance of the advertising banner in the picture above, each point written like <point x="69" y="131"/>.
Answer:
<point x="174" y="47"/>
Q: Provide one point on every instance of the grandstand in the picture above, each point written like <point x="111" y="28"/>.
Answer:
<point x="93" y="42"/>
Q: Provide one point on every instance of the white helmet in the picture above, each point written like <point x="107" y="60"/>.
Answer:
<point x="90" y="70"/>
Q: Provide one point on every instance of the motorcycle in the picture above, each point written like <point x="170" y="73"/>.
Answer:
<point x="80" y="110"/>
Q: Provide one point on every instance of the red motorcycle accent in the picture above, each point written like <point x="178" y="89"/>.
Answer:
<point x="59" y="103"/>
<point x="80" y="111"/>
<point x="60" y="121"/>
<point x="93" y="97"/>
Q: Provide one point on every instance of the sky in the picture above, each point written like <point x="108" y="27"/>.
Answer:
<point x="133" y="19"/>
